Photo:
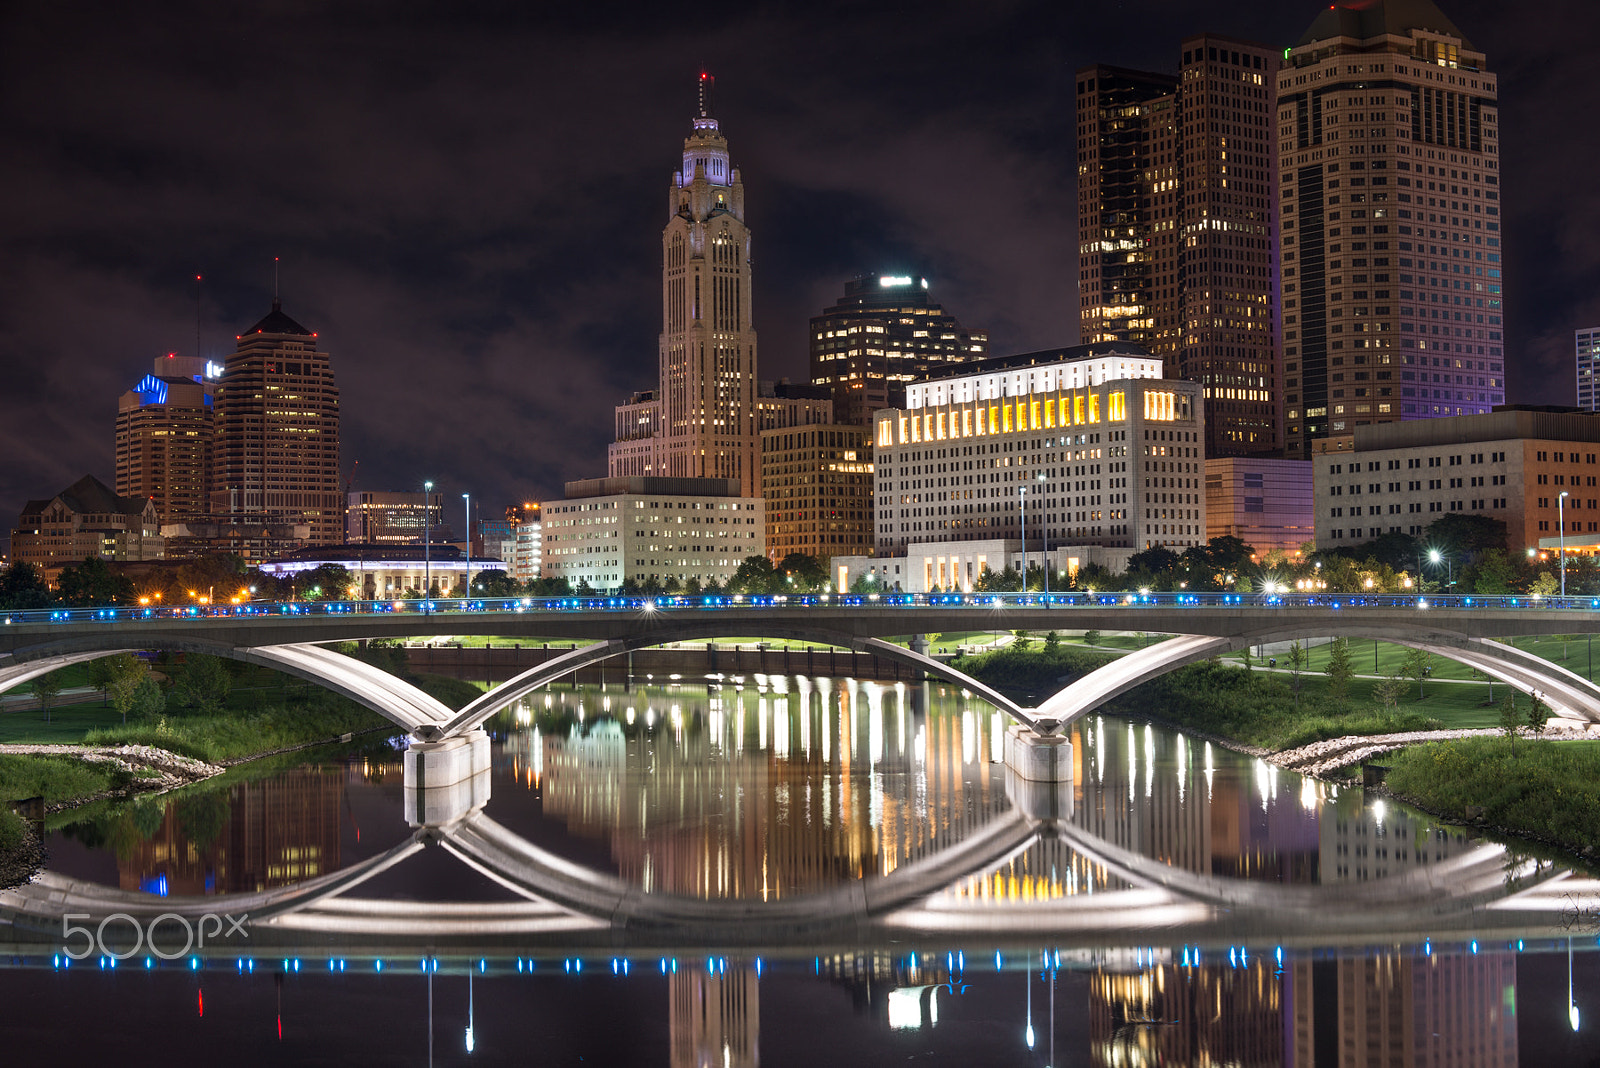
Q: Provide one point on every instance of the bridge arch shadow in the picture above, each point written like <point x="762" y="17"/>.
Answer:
<point x="1564" y="690"/>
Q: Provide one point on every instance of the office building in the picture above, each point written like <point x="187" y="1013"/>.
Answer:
<point x="1587" y="343"/>
<point x="1265" y="503"/>
<point x="277" y="417"/>
<point x="86" y="519"/>
<point x="1389" y="184"/>
<point x="529" y="555"/>
<point x="883" y="333"/>
<point x="164" y="436"/>
<point x="393" y="518"/>
<point x="1178" y="228"/>
<point x="1090" y="443"/>
<point x="701" y="423"/>
<point x="608" y="530"/>
<point x="1531" y="468"/>
<point x="817" y="485"/>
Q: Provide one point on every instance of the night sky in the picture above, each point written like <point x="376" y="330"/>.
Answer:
<point x="467" y="198"/>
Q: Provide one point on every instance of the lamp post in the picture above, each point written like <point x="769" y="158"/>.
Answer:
<point x="1561" y="520"/>
<point x="1022" y="492"/>
<point x="1044" y="523"/>
<point x="427" y="544"/>
<point x="466" y="581"/>
<point x="1434" y="556"/>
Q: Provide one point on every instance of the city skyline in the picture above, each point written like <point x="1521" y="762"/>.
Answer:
<point x="466" y="208"/>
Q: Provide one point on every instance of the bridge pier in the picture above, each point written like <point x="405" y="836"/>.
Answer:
<point x="1037" y="758"/>
<point x="446" y="780"/>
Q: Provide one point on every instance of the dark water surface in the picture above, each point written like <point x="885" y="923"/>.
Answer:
<point x="786" y="790"/>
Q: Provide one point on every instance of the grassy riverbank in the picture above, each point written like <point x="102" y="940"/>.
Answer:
<point x="1547" y="791"/>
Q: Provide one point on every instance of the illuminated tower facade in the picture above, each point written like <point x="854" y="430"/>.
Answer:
<point x="1389" y="179"/>
<point x="277" y="445"/>
<point x="164" y="438"/>
<point x="703" y="422"/>
<point x="1178" y="227"/>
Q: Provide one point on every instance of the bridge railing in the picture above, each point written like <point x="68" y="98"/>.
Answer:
<point x="908" y="601"/>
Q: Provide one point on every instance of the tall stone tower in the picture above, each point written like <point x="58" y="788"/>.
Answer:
<point x="277" y="444"/>
<point x="702" y="423"/>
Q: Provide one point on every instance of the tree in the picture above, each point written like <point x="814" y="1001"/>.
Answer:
<point x="1546" y="585"/>
<point x="1465" y="534"/>
<point x="100" y="674"/>
<point x="1417" y="664"/>
<point x="127" y="674"/>
<point x="1093" y="577"/>
<point x="1509" y="719"/>
<point x="1339" y="671"/>
<point x="326" y="582"/>
<point x="46" y="688"/>
<point x="22" y="587"/>
<point x="807" y="571"/>
<point x="148" y="699"/>
<point x="92" y="583"/>
<point x="494" y="582"/>
<point x="1156" y="568"/>
<point x="1091" y="637"/>
<point x="755" y="575"/>
<point x="1022" y="639"/>
<point x="584" y="589"/>
<point x="1538" y="713"/>
<point x="205" y="682"/>
<point x="1297" y="662"/>
<point x="1387" y="691"/>
<point x="1492" y="572"/>
<point x="1007" y="581"/>
<point x="1051" y="641"/>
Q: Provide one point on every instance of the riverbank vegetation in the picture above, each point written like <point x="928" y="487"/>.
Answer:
<point x="1545" y="790"/>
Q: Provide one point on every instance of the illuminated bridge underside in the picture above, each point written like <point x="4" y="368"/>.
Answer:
<point x="1567" y="693"/>
<point x="289" y="644"/>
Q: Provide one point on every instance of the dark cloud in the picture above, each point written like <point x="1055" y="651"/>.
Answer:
<point x="467" y="198"/>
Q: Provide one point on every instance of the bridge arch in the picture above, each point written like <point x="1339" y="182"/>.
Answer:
<point x="429" y="719"/>
<point x="1564" y="690"/>
<point x="532" y="679"/>
<point x="393" y="698"/>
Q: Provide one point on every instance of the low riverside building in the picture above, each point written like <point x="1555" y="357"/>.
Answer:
<point x="956" y="566"/>
<point x="1533" y="468"/>
<point x="1083" y="446"/>
<point x="383" y="572"/>
<point x="608" y="530"/>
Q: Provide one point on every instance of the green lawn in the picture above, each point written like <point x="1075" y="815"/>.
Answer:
<point x="68" y="724"/>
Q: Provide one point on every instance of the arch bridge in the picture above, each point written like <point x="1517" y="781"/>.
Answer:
<point x="295" y="639"/>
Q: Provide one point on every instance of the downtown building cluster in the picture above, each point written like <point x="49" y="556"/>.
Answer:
<point x="1281" y="252"/>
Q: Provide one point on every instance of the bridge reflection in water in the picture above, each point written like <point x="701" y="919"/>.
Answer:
<point x="813" y="817"/>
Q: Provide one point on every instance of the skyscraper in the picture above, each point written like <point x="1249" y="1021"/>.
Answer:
<point x="1177" y="228"/>
<point x="1587" y="343"/>
<point x="884" y="332"/>
<point x="1389" y="161"/>
<point x="164" y="438"/>
<point x="701" y="423"/>
<point x="277" y="413"/>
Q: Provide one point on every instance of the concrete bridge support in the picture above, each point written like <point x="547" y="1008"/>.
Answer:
<point x="1037" y="758"/>
<point x="446" y="780"/>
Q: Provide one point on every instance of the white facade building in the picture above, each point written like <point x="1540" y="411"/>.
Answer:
<point x="611" y="529"/>
<point x="1084" y="446"/>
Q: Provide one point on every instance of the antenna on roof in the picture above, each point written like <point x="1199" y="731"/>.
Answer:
<point x="197" y="281"/>
<point x="276" y="300"/>
<point x="708" y="85"/>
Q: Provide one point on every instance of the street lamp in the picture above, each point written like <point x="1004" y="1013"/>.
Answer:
<point x="1434" y="556"/>
<point x="1561" y="520"/>
<point x="1022" y="492"/>
<point x="427" y="542"/>
<point x="1044" y="522"/>
<point x="466" y="582"/>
